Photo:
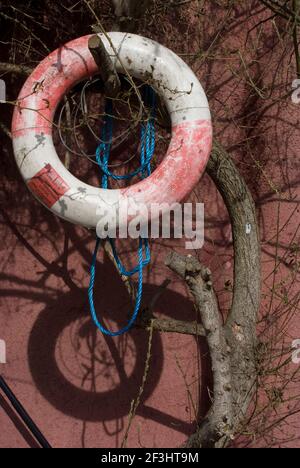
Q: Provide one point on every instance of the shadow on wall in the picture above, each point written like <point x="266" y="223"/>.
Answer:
<point x="77" y="370"/>
<point x="18" y="423"/>
<point x="92" y="377"/>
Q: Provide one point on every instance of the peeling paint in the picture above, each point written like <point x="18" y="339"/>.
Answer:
<point x="186" y="103"/>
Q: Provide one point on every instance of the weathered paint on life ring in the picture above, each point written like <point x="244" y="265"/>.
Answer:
<point x="44" y="173"/>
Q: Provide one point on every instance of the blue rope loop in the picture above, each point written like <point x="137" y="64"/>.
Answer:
<point x="144" y="170"/>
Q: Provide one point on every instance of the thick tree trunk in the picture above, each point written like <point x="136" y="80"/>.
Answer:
<point x="233" y="345"/>
<point x="133" y="8"/>
<point x="128" y="12"/>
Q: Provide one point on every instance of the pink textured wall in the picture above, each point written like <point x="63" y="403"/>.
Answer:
<point x="77" y="384"/>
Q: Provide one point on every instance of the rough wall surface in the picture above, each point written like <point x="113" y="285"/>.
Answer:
<point x="78" y="385"/>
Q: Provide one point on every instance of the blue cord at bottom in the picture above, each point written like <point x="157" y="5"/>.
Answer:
<point x="102" y="157"/>
<point x="138" y="298"/>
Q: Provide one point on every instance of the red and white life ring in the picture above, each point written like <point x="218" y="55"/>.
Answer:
<point x="44" y="173"/>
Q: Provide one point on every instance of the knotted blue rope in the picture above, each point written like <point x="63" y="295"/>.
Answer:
<point x="102" y="158"/>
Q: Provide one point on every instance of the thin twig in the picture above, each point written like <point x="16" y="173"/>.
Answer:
<point x="12" y="68"/>
<point x="135" y="403"/>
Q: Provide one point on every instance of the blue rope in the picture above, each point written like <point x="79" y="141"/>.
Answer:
<point x="138" y="298"/>
<point x="102" y="158"/>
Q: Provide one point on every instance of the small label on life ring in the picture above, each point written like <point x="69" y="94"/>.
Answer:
<point x="48" y="186"/>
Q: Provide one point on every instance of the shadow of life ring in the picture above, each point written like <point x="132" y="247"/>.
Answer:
<point x="49" y="359"/>
<point x="46" y="176"/>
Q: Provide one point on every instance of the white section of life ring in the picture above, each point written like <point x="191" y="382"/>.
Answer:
<point x="45" y="175"/>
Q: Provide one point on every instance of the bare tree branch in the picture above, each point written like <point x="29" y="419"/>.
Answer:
<point x="128" y="12"/>
<point x="296" y="10"/>
<point x="241" y="324"/>
<point x="106" y="67"/>
<point x="12" y="68"/>
<point x="218" y="422"/>
<point x="232" y="346"/>
<point x="146" y="319"/>
<point x="130" y="8"/>
<point x="170" y="326"/>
